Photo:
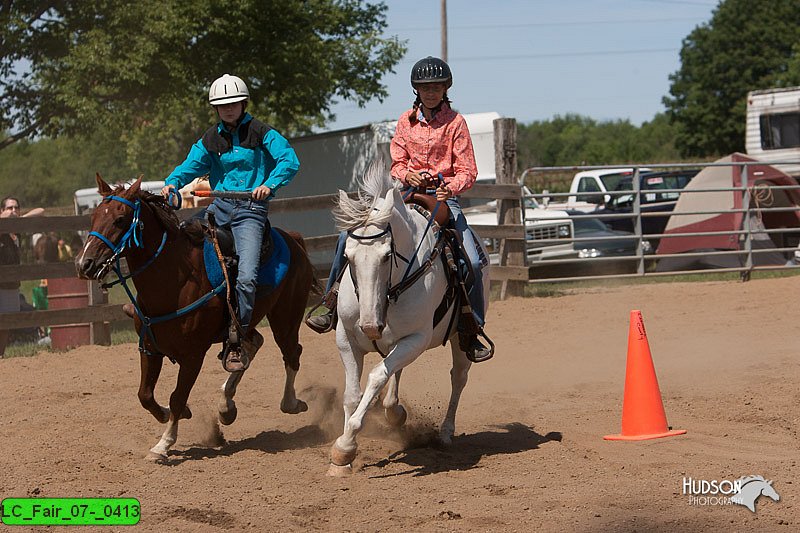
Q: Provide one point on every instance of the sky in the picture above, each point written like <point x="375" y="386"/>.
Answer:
<point x="535" y="59"/>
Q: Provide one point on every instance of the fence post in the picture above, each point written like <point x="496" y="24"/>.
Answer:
<point x="748" y="236"/>
<point x="99" y="332"/>
<point x="512" y="252"/>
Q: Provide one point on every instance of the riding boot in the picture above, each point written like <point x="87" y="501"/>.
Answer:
<point x="474" y="348"/>
<point x="325" y="322"/>
<point x="239" y="356"/>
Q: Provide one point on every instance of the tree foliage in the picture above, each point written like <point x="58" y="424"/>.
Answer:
<point x="46" y="173"/>
<point x="578" y="140"/>
<point x="138" y="72"/>
<point x="745" y="46"/>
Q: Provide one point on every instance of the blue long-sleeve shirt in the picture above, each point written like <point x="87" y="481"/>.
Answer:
<point x="254" y="154"/>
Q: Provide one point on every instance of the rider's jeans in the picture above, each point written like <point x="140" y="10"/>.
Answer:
<point x="247" y="220"/>
<point x="470" y="246"/>
<point x="338" y="261"/>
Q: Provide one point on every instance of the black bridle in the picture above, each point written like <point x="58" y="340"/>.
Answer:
<point x="393" y="292"/>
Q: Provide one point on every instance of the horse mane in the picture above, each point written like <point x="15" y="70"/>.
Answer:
<point x="351" y="213"/>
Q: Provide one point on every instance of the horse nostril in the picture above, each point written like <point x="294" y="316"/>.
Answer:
<point x="86" y="265"/>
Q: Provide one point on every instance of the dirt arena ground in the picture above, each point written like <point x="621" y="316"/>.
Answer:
<point x="529" y="452"/>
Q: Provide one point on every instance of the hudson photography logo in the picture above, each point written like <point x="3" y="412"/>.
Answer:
<point x="743" y="491"/>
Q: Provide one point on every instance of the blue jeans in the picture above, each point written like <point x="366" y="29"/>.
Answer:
<point x="469" y="245"/>
<point x="246" y="220"/>
<point x="339" y="261"/>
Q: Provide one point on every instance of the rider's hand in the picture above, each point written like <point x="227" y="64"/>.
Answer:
<point x="415" y="179"/>
<point x="443" y="193"/>
<point x="261" y="192"/>
<point x="165" y="190"/>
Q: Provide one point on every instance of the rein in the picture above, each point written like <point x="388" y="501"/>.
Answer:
<point x="133" y="238"/>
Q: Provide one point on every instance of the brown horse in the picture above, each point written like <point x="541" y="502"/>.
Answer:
<point x="169" y="274"/>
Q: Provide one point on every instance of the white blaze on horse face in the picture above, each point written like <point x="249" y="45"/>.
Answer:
<point x="373" y="272"/>
<point x="370" y="267"/>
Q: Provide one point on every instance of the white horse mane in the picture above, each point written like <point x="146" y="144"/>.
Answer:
<point x="351" y="213"/>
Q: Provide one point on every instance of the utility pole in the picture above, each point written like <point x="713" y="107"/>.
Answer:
<point x="444" y="30"/>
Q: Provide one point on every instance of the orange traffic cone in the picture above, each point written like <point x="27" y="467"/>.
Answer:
<point x="642" y="410"/>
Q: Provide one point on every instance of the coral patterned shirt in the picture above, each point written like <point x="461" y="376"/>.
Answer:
<point x="441" y="145"/>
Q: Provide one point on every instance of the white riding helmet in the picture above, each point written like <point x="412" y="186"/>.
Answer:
<point x="227" y="90"/>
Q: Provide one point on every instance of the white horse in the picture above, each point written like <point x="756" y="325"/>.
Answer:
<point x="383" y="235"/>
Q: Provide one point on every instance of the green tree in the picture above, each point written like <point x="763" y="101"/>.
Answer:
<point x="137" y="72"/>
<point x="578" y="140"/>
<point x="46" y="173"/>
<point x="745" y="46"/>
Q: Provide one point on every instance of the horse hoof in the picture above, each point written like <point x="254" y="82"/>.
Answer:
<point x="228" y="416"/>
<point x="299" y="407"/>
<point x="339" y="470"/>
<point x="340" y="457"/>
<point x="155" y="457"/>
<point x="396" y="416"/>
<point x="446" y="439"/>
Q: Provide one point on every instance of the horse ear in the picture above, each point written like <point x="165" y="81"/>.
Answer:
<point x="391" y="199"/>
<point x="102" y="186"/>
<point x="134" y="188"/>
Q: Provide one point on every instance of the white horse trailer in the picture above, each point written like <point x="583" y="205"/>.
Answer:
<point x="85" y="200"/>
<point x="773" y="127"/>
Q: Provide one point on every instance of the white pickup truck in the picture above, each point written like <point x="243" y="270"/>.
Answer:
<point x="542" y="227"/>
<point x="585" y="183"/>
<point x="549" y="234"/>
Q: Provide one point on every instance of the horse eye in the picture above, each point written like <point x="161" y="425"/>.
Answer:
<point x="386" y="256"/>
<point x="121" y="223"/>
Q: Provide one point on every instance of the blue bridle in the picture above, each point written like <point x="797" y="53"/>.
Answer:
<point x="133" y="238"/>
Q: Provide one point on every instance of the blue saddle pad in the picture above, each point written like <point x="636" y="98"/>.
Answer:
<point x="270" y="273"/>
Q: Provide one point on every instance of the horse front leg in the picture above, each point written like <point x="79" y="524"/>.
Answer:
<point x="150" y="370"/>
<point x="343" y="451"/>
<point x="187" y="375"/>
<point x="394" y="412"/>
<point x="458" y="380"/>
<point x="353" y="362"/>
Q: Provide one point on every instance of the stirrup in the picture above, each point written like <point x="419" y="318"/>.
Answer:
<point x="329" y="300"/>
<point x="471" y="353"/>
<point x="233" y="359"/>
<point x="319" y="328"/>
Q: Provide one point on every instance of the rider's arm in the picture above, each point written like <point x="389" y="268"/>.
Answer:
<point x="197" y="163"/>
<point x="400" y="150"/>
<point x="464" y="166"/>
<point x="286" y="162"/>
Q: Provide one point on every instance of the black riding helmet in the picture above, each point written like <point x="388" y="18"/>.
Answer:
<point x="431" y="70"/>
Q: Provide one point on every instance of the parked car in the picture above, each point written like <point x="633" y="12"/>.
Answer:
<point x="652" y="201"/>
<point x="549" y="234"/>
<point x="602" y="244"/>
